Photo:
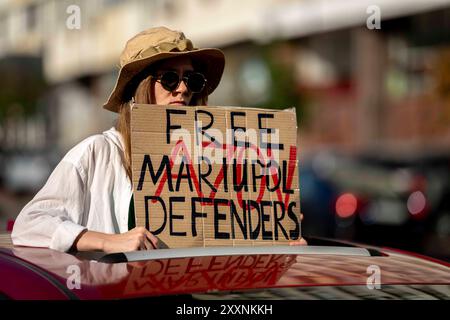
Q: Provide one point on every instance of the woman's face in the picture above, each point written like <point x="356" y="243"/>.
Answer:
<point x="181" y="96"/>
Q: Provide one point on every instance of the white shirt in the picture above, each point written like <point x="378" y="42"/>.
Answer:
<point x="89" y="189"/>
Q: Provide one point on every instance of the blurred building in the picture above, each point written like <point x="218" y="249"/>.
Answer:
<point x="347" y="76"/>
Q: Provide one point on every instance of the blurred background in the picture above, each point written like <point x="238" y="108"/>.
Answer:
<point x="372" y="98"/>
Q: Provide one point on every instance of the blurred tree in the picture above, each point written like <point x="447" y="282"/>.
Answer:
<point x="21" y="84"/>
<point x="284" y="93"/>
<point x="267" y="79"/>
<point x="440" y="72"/>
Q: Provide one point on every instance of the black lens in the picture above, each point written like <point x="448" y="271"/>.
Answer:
<point x="170" y="80"/>
<point x="196" y="82"/>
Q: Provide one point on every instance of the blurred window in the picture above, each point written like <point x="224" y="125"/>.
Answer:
<point x="255" y="81"/>
<point x="3" y="28"/>
<point x="31" y="17"/>
<point x="112" y="2"/>
<point x="169" y="7"/>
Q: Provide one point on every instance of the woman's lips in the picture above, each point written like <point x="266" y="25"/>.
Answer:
<point x="178" y="103"/>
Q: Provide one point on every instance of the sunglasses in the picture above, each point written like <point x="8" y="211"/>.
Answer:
<point x="170" y="80"/>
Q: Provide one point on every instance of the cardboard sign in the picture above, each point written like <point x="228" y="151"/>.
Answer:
<point x="213" y="176"/>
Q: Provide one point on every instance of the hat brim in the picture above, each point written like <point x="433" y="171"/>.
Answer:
<point x="213" y="61"/>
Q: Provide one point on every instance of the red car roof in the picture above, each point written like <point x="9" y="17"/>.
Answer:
<point x="211" y="273"/>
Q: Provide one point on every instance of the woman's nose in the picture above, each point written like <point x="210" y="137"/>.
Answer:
<point x="182" y="88"/>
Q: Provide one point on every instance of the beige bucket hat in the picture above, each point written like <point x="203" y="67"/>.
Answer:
<point x="156" y="44"/>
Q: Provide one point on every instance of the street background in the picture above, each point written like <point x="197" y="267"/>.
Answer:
<point x="372" y="98"/>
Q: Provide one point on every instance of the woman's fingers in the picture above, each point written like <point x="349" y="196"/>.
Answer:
<point x="152" y="238"/>
<point x="147" y="244"/>
<point x="147" y="241"/>
<point x="299" y="242"/>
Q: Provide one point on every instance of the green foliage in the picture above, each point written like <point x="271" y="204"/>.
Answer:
<point x="21" y="85"/>
<point x="284" y="91"/>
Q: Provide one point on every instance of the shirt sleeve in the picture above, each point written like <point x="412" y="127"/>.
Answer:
<point x="54" y="217"/>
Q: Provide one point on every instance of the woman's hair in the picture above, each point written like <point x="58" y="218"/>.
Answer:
<point x="144" y="94"/>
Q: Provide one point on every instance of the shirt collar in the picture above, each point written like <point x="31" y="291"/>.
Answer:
<point x="116" y="137"/>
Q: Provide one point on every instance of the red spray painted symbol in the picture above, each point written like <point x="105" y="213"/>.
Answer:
<point x="181" y="147"/>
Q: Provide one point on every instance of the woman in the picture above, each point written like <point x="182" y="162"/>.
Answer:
<point x="85" y="204"/>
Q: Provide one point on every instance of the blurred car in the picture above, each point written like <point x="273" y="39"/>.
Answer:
<point x="318" y="195"/>
<point x="26" y="171"/>
<point x="323" y="270"/>
<point x="383" y="200"/>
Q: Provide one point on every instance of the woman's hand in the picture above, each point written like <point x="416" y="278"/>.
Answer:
<point x="138" y="238"/>
<point x="301" y="241"/>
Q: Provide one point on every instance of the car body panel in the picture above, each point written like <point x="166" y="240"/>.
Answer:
<point x="215" y="274"/>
